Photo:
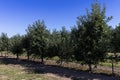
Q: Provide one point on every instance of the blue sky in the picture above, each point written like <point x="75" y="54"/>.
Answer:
<point x="16" y="15"/>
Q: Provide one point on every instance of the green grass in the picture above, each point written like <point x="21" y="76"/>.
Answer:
<point x="17" y="72"/>
<point x="109" y="64"/>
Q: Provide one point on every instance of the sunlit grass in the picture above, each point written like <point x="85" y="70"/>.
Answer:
<point x="109" y="64"/>
<point x="17" y="72"/>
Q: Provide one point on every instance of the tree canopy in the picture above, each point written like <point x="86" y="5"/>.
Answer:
<point x="88" y="42"/>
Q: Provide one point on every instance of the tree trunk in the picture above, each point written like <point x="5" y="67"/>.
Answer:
<point x="61" y="59"/>
<point x="17" y="56"/>
<point x="42" y="55"/>
<point x="112" y="67"/>
<point x="7" y="52"/>
<point x="61" y="62"/>
<point x="42" y="58"/>
<point x="28" y="56"/>
<point x="90" y="68"/>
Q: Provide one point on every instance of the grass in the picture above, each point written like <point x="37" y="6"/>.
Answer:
<point x="84" y="68"/>
<point x="13" y="69"/>
<point x="17" y="72"/>
<point x="109" y="64"/>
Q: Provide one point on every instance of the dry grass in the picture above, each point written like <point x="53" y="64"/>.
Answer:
<point x="106" y="70"/>
<point x="17" y="72"/>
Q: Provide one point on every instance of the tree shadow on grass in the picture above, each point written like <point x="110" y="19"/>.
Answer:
<point x="37" y="67"/>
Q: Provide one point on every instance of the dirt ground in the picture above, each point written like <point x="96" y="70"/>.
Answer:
<point x="55" y="71"/>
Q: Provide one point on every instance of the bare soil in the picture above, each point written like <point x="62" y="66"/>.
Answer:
<point x="58" y="72"/>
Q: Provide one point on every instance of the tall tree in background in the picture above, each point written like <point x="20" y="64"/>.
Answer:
<point x="64" y="53"/>
<point x="115" y="46"/>
<point x="27" y="45"/>
<point x="54" y="42"/>
<point x="4" y="42"/>
<point x="76" y="41"/>
<point x="115" y="40"/>
<point x="90" y="29"/>
<point x="16" y="45"/>
<point x="39" y="35"/>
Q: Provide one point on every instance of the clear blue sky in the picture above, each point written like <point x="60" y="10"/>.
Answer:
<point x="16" y="15"/>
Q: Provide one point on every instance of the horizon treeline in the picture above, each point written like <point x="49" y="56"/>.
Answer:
<point x="88" y="42"/>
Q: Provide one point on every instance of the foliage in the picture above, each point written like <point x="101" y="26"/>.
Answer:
<point x="38" y="34"/>
<point x="27" y="45"/>
<point x="54" y="44"/>
<point x="65" y="46"/>
<point x="4" y="40"/>
<point x="89" y="34"/>
<point x="16" y="45"/>
<point x="87" y="42"/>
